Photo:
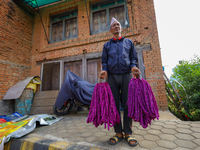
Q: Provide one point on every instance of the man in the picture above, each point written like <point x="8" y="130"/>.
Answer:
<point x="119" y="59"/>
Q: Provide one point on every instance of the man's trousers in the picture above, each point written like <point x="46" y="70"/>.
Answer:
<point x="119" y="87"/>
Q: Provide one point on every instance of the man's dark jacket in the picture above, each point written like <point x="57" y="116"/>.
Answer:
<point x="119" y="56"/>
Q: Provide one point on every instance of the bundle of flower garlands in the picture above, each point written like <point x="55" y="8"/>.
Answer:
<point x="102" y="107"/>
<point x="142" y="106"/>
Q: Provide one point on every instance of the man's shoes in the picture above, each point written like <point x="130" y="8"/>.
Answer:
<point x="129" y="139"/>
<point x="116" y="138"/>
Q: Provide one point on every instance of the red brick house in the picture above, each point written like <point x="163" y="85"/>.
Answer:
<point x="70" y="34"/>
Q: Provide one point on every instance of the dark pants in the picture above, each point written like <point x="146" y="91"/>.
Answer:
<point x="120" y="83"/>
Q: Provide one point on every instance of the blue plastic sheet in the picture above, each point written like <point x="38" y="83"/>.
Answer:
<point x="75" y="87"/>
<point x="11" y="117"/>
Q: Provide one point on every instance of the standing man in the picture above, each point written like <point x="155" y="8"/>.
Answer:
<point x="119" y="59"/>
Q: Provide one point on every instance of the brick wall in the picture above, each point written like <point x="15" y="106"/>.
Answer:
<point x="140" y="28"/>
<point x="15" y="45"/>
<point x="16" y="42"/>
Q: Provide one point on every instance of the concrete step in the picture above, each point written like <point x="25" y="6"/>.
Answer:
<point x="43" y="102"/>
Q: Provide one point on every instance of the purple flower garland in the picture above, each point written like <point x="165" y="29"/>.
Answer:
<point x="142" y="106"/>
<point x="102" y="107"/>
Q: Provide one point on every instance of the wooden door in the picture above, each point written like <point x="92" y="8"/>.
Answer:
<point x="55" y="77"/>
<point x="75" y="67"/>
<point x="51" y="76"/>
<point x="93" y="70"/>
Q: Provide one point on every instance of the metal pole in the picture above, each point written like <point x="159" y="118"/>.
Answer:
<point x="41" y="21"/>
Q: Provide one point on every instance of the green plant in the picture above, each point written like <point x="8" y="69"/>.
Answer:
<point x="186" y="81"/>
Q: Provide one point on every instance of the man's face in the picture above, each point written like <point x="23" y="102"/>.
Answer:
<point x="116" y="28"/>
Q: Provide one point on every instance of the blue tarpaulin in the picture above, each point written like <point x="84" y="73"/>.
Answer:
<point x="74" y="87"/>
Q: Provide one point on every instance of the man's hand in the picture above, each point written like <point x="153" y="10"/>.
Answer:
<point x="103" y="74"/>
<point x="135" y="72"/>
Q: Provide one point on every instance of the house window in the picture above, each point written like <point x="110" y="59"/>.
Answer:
<point x="64" y="26"/>
<point x="102" y="13"/>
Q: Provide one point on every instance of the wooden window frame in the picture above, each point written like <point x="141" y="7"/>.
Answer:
<point x="64" y="20"/>
<point x="107" y="14"/>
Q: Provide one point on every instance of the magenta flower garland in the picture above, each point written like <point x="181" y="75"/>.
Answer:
<point x="142" y="106"/>
<point x="102" y="107"/>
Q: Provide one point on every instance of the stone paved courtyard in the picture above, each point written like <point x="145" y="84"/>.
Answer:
<point x="166" y="133"/>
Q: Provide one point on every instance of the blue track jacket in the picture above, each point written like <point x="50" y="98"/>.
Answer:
<point x="119" y="56"/>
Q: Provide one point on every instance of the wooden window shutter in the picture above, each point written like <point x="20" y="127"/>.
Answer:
<point x="95" y="21"/>
<point x="103" y="20"/>
<point x="103" y="12"/>
<point x="74" y="27"/>
<point x="67" y="28"/>
<point x="118" y="13"/>
<point x="57" y="31"/>
<point x="113" y="13"/>
<point x="71" y="28"/>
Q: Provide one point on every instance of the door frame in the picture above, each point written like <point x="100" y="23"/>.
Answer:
<point x="42" y="67"/>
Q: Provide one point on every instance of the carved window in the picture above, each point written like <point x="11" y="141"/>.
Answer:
<point x="64" y="26"/>
<point x="102" y="13"/>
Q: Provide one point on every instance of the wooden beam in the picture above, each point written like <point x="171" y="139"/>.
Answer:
<point x="141" y="63"/>
<point x="145" y="47"/>
<point x="139" y="49"/>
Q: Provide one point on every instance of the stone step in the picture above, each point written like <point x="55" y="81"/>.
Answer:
<point x="43" y="102"/>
